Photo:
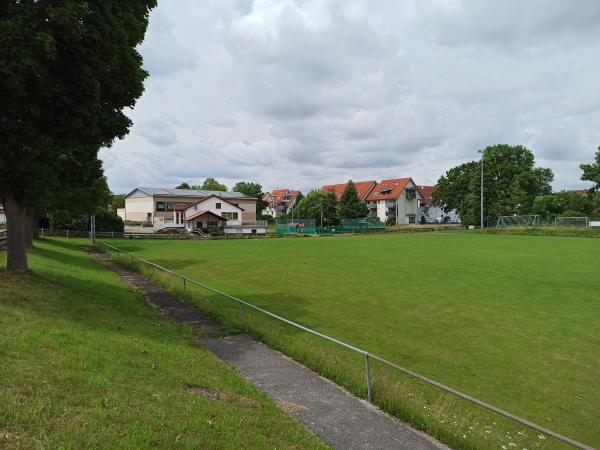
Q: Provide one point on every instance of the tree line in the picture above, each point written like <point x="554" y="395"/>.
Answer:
<point x="513" y="185"/>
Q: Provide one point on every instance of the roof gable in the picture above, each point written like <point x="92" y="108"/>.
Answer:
<point x="389" y="189"/>
<point x="213" y="196"/>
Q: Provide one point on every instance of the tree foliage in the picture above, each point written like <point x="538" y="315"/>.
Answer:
<point x="67" y="71"/>
<point x="350" y="206"/>
<point x="117" y="201"/>
<point x="511" y="184"/>
<point x="565" y="204"/>
<point x="591" y="172"/>
<point x="316" y="205"/>
<point x="210" y="184"/>
<point x="252" y="190"/>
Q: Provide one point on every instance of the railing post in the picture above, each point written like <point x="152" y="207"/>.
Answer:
<point x="368" y="377"/>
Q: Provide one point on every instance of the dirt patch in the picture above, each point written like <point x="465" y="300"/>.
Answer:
<point x="206" y="392"/>
<point x="290" y="407"/>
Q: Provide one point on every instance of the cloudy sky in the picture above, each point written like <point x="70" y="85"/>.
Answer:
<point x="301" y="93"/>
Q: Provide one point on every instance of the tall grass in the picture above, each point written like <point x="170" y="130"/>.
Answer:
<point x="548" y="231"/>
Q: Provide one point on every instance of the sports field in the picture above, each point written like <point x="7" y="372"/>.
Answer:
<point x="512" y="320"/>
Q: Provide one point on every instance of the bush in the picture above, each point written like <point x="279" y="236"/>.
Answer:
<point x="106" y="220"/>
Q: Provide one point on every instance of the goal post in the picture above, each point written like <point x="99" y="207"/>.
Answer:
<point x="583" y="222"/>
<point x="518" y="221"/>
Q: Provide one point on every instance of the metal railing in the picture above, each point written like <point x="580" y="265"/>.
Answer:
<point x="246" y="223"/>
<point x="367" y="356"/>
<point x="45" y="232"/>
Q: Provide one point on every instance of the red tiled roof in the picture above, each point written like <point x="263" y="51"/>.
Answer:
<point x="391" y="189"/>
<point x="426" y="193"/>
<point x="181" y="206"/>
<point x="577" y="191"/>
<point x="201" y="213"/>
<point x="363" y="188"/>
<point x="276" y="197"/>
<point x="292" y="196"/>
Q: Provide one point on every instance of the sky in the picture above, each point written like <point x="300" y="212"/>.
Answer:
<point x="302" y="93"/>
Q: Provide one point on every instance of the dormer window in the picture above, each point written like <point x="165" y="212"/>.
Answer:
<point x="218" y="205"/>
<point x="385" y="191"/>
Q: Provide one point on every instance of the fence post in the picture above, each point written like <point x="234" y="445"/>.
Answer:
<point x="152" y="272"/>
<point x="368" y="377"/>
<point x="67" y="233"/>
<point x="184" y="286"/>
<point x="241" y="315"/>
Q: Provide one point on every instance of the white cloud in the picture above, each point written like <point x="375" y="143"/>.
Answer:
<point x="306" y="92"/>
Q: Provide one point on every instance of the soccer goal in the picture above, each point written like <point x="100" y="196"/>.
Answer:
<point x="582" y="222"/>
<point x="518" y="221"/>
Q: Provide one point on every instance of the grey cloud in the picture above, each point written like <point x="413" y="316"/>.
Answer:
<point x="158" y="131"/>
<point x="303" y="93"/>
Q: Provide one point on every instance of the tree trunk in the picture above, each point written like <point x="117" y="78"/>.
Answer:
<point x="29" y="215"/>
<point x="16" y="245"/>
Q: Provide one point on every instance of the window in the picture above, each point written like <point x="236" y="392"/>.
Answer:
<point x="218" y="205"/>
<point x="164" y="206"/>
<point x="229" y="215"/>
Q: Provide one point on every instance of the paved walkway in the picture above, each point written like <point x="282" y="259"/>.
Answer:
<point x="338" y="418"/>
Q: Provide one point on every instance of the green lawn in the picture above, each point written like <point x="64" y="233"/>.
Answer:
<point x="512" y="320"/>
<point x="86" y="363"/>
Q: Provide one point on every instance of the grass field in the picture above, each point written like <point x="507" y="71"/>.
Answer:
<point x="512" y="320"/>
<point x="86" y="363"/>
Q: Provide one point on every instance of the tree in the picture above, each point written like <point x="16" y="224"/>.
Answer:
<point x="252" y="190"/>
<point x="117" y="201"/>
<point x="591" y="172"/>
<point x="566" y="204"/>
<point x="183" y="185"/>
<point x="67" y="72"/>
<point x="511" y="184"/>
<point x="210" y="184"/>
<point x="350" y="206"/>
<point x="316" y="205"/>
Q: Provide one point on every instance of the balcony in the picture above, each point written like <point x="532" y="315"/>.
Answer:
<point x="246" y="223"/>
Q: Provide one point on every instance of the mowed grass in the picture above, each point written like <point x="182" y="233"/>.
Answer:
<point x="86" y="363"/>
<point x="512" y="320"/>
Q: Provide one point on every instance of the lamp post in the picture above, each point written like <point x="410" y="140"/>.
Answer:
<point x="481" y="188"/>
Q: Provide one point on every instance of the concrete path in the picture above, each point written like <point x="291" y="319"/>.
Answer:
<point x="337" y="417"/>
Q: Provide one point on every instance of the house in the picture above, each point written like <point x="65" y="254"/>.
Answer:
<point x="363" y="189"/>
<point x="395" y="201"/>
<point x="279" y="201"/>
<point x="157" y="205"/>
<point x="434" y="213"/>
<point x="216" y="212"/>
<point x="581" y="192"/>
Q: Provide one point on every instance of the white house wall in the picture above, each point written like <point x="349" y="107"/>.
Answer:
<point x="381" y="210"/>
<point x="210" y="204"/>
